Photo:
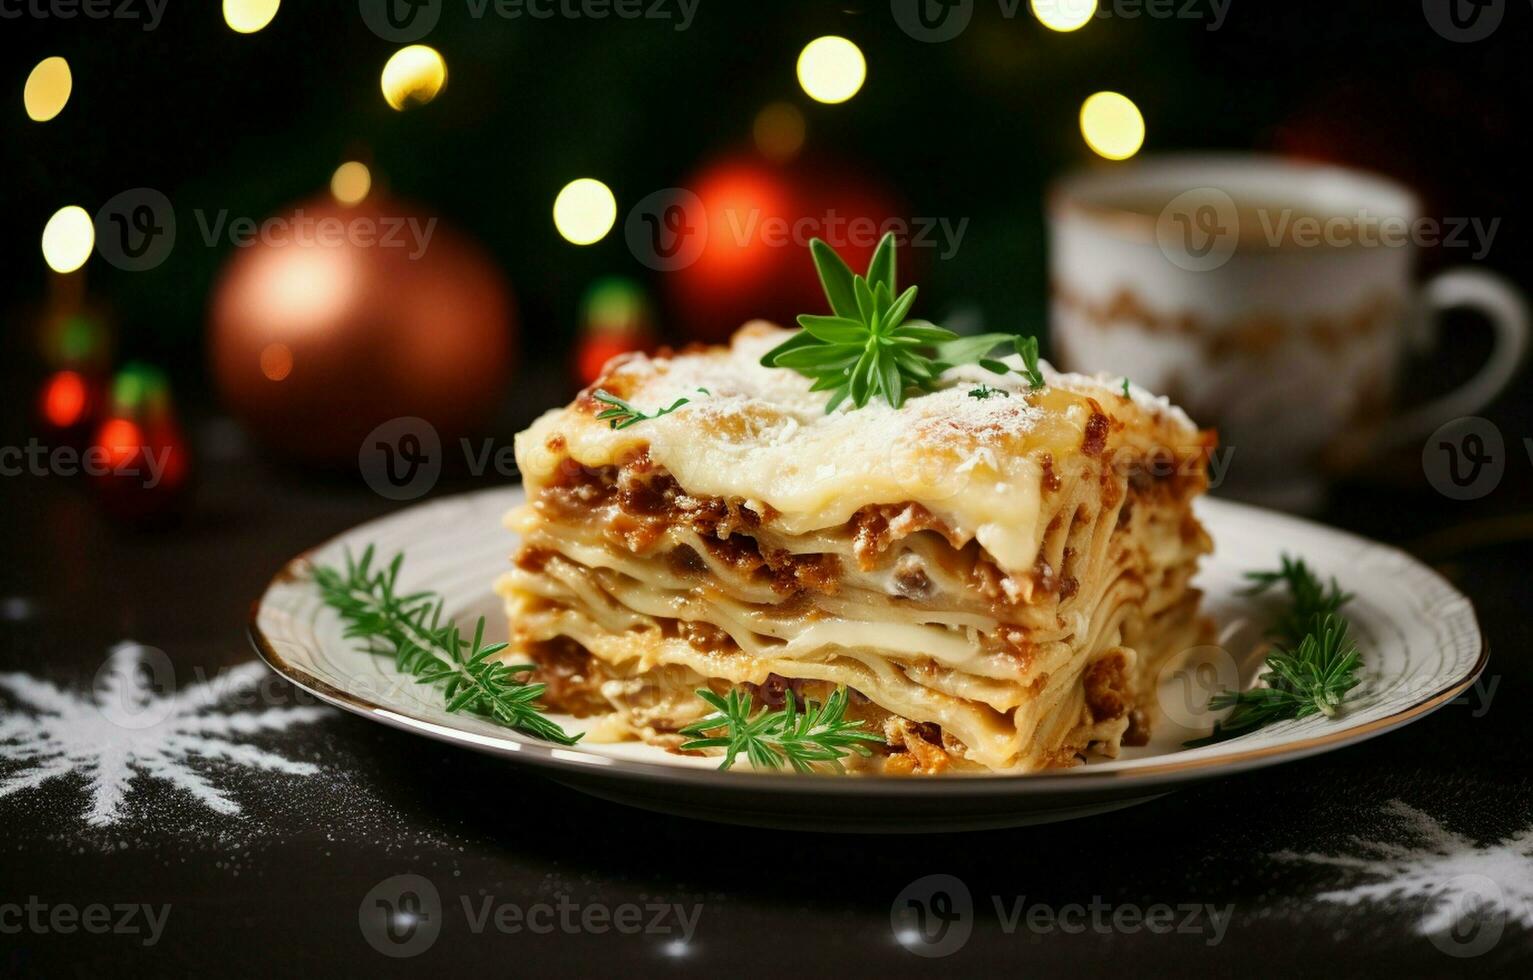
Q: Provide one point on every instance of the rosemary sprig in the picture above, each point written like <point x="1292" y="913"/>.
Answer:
<point x="622" y="414"/>
<point x="866" y="348"/>
<point x="1308" y="597"/>
<point x="1313" y="666"/>
<point x="820" y="736"/>
<point x="410" y="629"/>
<point x="985" y="392"/>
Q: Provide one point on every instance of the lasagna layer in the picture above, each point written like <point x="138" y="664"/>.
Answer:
<point x="997" y="574"/>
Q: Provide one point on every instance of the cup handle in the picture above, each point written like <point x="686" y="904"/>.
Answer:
<point x="1507" y="311"/>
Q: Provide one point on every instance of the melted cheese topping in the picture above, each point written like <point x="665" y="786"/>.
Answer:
<point x="762" y="436"/>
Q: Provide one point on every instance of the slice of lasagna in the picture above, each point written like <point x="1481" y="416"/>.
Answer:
<point x="996" y="574"/>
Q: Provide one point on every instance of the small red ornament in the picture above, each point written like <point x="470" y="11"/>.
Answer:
<point x="67" y="403"/>
<point x="615" y="318"/>
<point x="138" y="461"/>
<point x="319" y="338"/>
<point x="755" y="261"/>
<point x="77" y="346"/>
<point x="594" y="352"/>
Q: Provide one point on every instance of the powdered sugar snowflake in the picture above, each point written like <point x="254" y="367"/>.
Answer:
<point x="125" y="729"/>
<point x="1471" y="891"/>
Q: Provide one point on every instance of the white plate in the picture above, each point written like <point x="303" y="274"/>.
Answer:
<point x="1419" y="638"/>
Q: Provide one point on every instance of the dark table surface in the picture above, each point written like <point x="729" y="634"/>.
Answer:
<point x="1226" y="870"/>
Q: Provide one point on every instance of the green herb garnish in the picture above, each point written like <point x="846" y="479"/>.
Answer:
<point x="984" y="392"/>
<point x="1125" y="389"/>
<point x="622" y="414"/>
<point x="1309" y="598"/>
<point x="818" y="737"/>
<point x="1027" y="349"/>
<point x="1313" y="666"/>
<point x="867" y="348"/>
<point x="410" y="629"/>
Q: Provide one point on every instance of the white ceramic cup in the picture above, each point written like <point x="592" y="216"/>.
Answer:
<point x="1274" y="300"/>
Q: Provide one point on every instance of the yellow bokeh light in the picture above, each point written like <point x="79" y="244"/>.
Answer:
<point x="47" y="89"/>
<point x="413" y="76"/>
<point x="585" y="211"/>
<point x="779" y="131"/>
<point x="68" y="239"/>
<point x="1064" y="15"/>
<point x="831" y="69"/>
<point x="1112" y="125"/>
<point x="351" y="182"/>
<point x="249" y="16"/>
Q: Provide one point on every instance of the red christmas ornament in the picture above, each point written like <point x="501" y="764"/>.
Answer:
<point x="615" y="318"/>
<point x="67" y="401"/>
<point x="138" y="461"/>
<point x="755" y="261"/>
<point x="318" y="338"/>
<point x="77" y="346"/>
<point x="593" y="352"/>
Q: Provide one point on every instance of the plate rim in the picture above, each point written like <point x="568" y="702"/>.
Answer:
<point x="568" y="761"/>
